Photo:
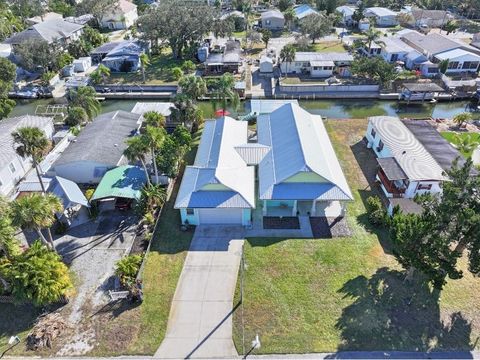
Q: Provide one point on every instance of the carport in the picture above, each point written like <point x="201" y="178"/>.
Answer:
<point x="119" y="187"/>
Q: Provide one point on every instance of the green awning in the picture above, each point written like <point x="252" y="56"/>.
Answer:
<point x="122" y="182"/>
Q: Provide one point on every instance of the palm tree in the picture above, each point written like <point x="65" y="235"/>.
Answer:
<point x="154" y="118"/>
<point x="462" y="118"/>
<point x="193" y="86"/>
<point x="289" y="16"/>
<point x="31" y="142"/>
<point x="466" y="144"/>
<point x="372" y="35"/>
<point x="287" y="55"/>
<point x="154" y="137"/>
<point x="136" y="150"/>
<point x="36" y="212"/>
<point x="224" y="92"/>
<point x="450" y="26"/>
<point x="144" y="62"/>
<point x="185" y="110"/>
<point x="86" y="98"/>
<point x="100" y="74"/>
<point x="38" y="275"/>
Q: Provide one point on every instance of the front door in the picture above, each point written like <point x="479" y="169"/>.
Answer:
<point x="304" y="207"/>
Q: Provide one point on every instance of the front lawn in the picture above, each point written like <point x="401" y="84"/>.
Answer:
<point x="157" y="73"/>
<point x="325" y="46"/>
<point x="452" y="138"/>
<point x="349" y="293"/>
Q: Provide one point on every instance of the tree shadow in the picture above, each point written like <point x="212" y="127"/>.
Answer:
<point x="389" y="313"/>
<point x="368" y="164"/>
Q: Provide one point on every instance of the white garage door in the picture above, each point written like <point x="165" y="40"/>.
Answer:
<point x="220" y="216"/>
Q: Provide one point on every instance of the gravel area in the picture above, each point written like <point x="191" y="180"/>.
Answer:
<point x="92" y="250"/>
<point x="323" y="227"/>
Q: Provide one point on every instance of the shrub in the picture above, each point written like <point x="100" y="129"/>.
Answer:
<point x="76" y="116"/>
<point x="65" y="59"/>
<point x="47" y="76"/>
<point x="127" y="269"/>
<point x="149" y="219"/>
<point x="376" y="212"/>
<point x="188" y="66"/>
<point x="89" y="193"/>
<point x="176" y="73"/>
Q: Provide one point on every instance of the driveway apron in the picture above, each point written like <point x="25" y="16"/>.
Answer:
<point x="200" y="322"/>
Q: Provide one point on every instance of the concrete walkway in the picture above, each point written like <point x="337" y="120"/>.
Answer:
<point x="200" y="322"/>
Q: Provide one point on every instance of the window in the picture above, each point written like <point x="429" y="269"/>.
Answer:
<point x="99" y="171"/>
<point x="453" y="65"/>
<point x="190" y="211"/>
<point x="394" y="57"/>
<point x="268" y="22"/>
<point x="432" y="70"/>
<point x="380" y="145"/>
<point x="12" y="168"/>
<point x="470" y="65"/>
<point x="424" y="186"/>
<point x="373" y="133"/>
<point x="298" y="64"/>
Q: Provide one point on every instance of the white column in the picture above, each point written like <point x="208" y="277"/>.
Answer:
<point x="294" y="211"/>
<point x="344" y="209"/>
<point x="314" y="208"/>
<point x="264" y="209"/>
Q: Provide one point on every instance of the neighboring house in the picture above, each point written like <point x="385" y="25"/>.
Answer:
<point x="429" y="18"/>
<point x="56" y="32"/>
<point x="394" y="49"/>
<point x="319" y="64"/>
<point x="120" y="15"/>
<point x="298" y="171"/>
<point x="164" y="108"/>
<point x="228" y="61"/>
<point x="301" y="174"/>
<point x="272" y="20"/>
<point x="45" y="17"/>
<point x="99" y="53"/>
<point x="436" y="47"/>
<point x="125" y="57"/>
<point x="303" y="11"/>
<point x="98" y="148"/>
<point x="460" y="61"/>
<point x="382" y="16"/>
<point x="406" y="168"/>
<point x="219" y="188"/>
<point x="12" y="167"/>
<point x="346" y="13"/>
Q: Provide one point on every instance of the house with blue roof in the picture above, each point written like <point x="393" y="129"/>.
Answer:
<point x="290" y="170"/>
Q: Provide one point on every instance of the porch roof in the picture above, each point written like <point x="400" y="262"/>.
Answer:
<point x="392" y="169"/>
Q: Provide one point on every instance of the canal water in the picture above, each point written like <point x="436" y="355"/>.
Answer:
<point x="332" y="109"/>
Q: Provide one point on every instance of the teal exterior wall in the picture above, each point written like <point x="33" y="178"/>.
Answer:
<point x="246" y="217"/>
<point x="192" y="219"/>
<point x="276" y="203"/>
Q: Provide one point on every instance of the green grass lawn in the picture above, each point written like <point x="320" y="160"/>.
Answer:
<point x="326" y="46"/>
<point x="452" y="138"/>
<point x="157" y="73"/>
<point x="304" y="295"/>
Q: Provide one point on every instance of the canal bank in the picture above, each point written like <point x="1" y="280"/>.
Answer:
<point x="332" y="109"/>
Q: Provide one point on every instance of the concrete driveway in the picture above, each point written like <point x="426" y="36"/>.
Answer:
<point x="200" y="322"/>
